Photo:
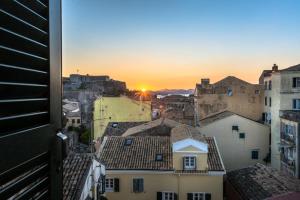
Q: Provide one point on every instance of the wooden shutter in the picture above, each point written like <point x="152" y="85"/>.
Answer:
<point x="141" y="185"/>
<point x="30" y="103"/>
<point x="135" y="185"/>
<point x="207" y="196"/>
<point x="116" y="185"/>
<point x="189" y="196"/>
<point x="159" y="195"/>
<point x="175" y="196"/>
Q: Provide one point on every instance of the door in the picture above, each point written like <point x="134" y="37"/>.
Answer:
<point x="30" y="99"/>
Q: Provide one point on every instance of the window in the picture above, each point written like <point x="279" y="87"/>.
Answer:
<point x="229" y="92"/>
<point x="138" y="185"/>
<point x="270" y="101"/>
<point x="112" y="185"/>
<point x="158" y="157"/>
<point x="266" y="85"/>
<point x="168" y="196"/>
<point x="189" y="162"/>
<point x="296" y="104"/>
<point x="114" y="125"/>
<point x="266" y="101"/>
<point x="254" y="154"/>
<point x="270" y="85"/>
<point x="199" y="196"/>
<point x="128" y="142"/>
<point x="78" y="121"/>
<point x="296" y="82"/>
<point x="242" y="135"/>
<point x="235" y="128"/>
<point x="109" y="185"/>
<point x="73" y="121"/>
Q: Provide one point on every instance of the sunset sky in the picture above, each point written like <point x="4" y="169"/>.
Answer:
<point x="157" y="44"/>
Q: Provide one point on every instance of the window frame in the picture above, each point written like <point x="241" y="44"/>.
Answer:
<point x="168" y="195"/>
<point x="188" y="160"/>
<point x="244" y="135"/>
<point x="255" y="158"/>
<point x="139" y="190"/>
<point x="296" y="82"/>
<point x="111" y="181"/>
<point x="296" y="104"/>
<point x="159" y="159"/>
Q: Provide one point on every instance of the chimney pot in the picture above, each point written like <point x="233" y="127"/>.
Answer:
<point x="275" y="68"/>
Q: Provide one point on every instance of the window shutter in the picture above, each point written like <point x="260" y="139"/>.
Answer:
<point x="294" y="82"/>
<point x="175" y="196"/>
<point x="135" y="185"/>
<point x="207" y="196"/>
<point x="294" y="103"/>
<point x="141" y="188"/>
<point x="116" y="185"/>
<point x="159" y="196"/>
<point x="183" y="166"/>
<point x="189" y="196"/>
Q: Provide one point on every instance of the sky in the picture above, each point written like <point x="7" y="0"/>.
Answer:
<point x="159" y="44"/>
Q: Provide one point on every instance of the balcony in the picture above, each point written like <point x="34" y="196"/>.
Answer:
<point x="287" y="138"/>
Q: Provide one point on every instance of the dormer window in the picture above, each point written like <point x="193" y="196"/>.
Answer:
<point x="114" y="125"/>
<point x="128" y="142"/>
<point x="189" y="162"/>
<point x="159" y="157"/>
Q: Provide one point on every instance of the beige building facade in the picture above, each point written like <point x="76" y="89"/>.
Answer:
<point x="282" y="92"/>
<point x="183" y="165"/>
<point x="230" y="94"/>
<point x="242" y="141"/>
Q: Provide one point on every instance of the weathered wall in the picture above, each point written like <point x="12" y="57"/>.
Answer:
<point x="155" y="182"/>
<point x="245" y="99"/>
<point x="236" y="152"/>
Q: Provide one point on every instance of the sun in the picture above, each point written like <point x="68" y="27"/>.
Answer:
<point x="144" y="90"/>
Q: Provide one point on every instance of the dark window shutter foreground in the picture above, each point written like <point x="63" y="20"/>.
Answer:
<point x="189" y="196"/>
<point x="30" y="166"/>
<point x="116" y="185"/>
<point x="175" y="196"/>
<point x="207" y="196"/>
<point x="159" y="196"/>
<point x="294" y="82"/>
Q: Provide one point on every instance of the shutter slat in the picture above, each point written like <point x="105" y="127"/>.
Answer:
<point x="24" y="181"/>
<point x="15" y="41"/>
<point x="21" y="11"/>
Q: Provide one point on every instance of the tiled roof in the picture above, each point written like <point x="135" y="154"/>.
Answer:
<point x="215" y="117"/>
<point x="150" y="125"/>
<point x="75" y="169"/>
<point x="214" y="159"/>
<point x="140" y="155"/>
<point x="185" y="131"/>
<point x="260" y="182"/>
<point x="118" y="128"/>
<point x="292" y="68"/>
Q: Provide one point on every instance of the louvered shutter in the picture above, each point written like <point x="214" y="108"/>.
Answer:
<point x="116" y="185"/>
<point x="30" y="104"/>
<point x="189" y="196"/>
<point x="159" y="195"/>
<point x="207" y="196"/>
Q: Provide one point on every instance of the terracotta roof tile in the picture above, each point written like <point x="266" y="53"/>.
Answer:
<point x="75" y="169"/>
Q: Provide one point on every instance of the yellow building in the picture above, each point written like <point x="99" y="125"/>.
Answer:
<point x="184" y="165"/>
<point x="118" y="109"/>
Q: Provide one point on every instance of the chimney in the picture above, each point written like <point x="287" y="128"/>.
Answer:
<point x="205" y="81"/>
<point x="275" y="68"/>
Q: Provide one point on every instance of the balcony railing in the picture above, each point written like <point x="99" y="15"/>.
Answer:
<point x="290" y="138"/>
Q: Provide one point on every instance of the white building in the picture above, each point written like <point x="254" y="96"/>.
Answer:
<point x="71" y="111"/>
<point x="242" y="141"/>
<point x="282" y="92"/>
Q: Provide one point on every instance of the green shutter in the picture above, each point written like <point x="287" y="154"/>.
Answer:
<point x="207" y="196"/>
<point x="116" y="185"/>
<point x="189" y="196"/>
<point x="159" y="196"/>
